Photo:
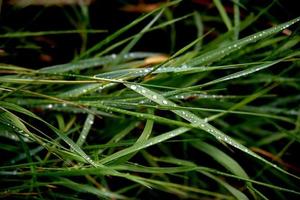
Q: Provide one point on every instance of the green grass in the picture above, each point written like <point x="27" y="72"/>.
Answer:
<point x="220" y="119"/>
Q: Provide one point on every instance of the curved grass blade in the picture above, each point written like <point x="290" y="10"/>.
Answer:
<point x="142" y="139"/>
<point x="222" y="158"/>
<point x="236" y="193"/>
<point x="86" y="129"/>
<point x="66" y="139"/>
<point x="219" y="53"/>
<point x="185" y="166"/>
<point x="200" y="123"/>
<point x="13" y="122"/>
<point x="223" y="14"/>
<point x="141" y="145"/>
<point x="102" y="193"/>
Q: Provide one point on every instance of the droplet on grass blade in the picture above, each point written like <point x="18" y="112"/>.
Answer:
<point x="217" y="54"/>
<point x="200" y="123"/>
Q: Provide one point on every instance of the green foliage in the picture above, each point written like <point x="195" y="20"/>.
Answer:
<point x="215" y="121"/>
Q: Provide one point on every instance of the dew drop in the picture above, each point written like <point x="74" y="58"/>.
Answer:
<point x="154" y="97"/>
<point x="165" y="102"/>
<point x="133" y="87"/>
<point x="184" y="66"/>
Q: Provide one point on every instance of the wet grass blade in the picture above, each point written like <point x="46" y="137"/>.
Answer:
<point x="200" y="123"/>
<point x="219" y="53"/>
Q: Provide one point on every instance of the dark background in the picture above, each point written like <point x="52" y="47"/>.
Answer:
<point x="36" y="52"/>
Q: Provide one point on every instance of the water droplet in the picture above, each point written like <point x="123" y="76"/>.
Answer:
<point x="133" y="87"/>
<point x="154" y="97"/>
<point x="50" y="106"/>
<point x="143" y="91"/>
<point x="184" y="66"/>
<point x="165" y="102"/>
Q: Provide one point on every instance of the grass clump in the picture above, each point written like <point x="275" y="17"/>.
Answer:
<point x="216" y="119"/>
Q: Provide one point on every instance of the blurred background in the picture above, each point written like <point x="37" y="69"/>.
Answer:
<point x="109" y="16"/>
